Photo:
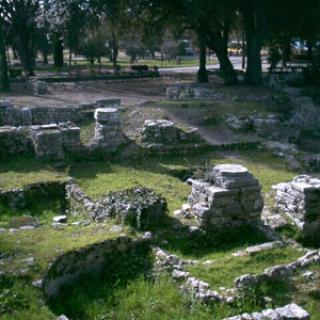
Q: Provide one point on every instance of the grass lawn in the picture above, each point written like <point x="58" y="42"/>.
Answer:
<point x="18" y="172"/>
<point x="125" y="63"/>
<point x="140" y="297"/>
<point x="222" y="272"/>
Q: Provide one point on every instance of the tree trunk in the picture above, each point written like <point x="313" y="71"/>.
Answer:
<point x="243" y="51"/>
<point x="310" y="49"/>
<point x="25" y="50"/>
<point x="58" y="51"/>
<point x="218" y="42"/>
<point x="254" y="23"/>
<point x="45" y="58"/>
<point x="70" y="57"/>
<point x="254" y="71"/>
<point x="4" y="79"/>
<point x="114" y="51"/>
<point x="286" y="53"/>
<point x="226" y="68"/>
<point x="202" y="75"/>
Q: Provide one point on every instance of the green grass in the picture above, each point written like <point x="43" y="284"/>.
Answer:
<point x="99" y="178"/>
<point x="22" y="171"/>
<point x="222" y="272"/>
<point x="124" y="63"/>
<point x="140" y="297"/>
<point x="87" y="131"/>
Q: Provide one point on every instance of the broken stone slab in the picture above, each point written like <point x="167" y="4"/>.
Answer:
<point x="292" y="312"/>
<point x="259" y="248"/>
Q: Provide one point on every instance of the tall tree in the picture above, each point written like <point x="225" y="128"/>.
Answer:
<point x="254" y="17"/>
<point x="20" y="16"/>
<point x="4" y="79"/>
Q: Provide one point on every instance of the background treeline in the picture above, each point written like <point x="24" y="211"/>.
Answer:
<point x="96" y="28"/>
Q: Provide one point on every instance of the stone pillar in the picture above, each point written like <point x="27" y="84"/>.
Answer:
<point x="108" y="132"/>
<point x="300" y="201"/>
<point x="229" y="196"/>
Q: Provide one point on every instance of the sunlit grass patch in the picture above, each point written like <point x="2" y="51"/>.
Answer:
<point x="222" y="272"/>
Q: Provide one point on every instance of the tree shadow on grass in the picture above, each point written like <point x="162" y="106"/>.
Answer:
<point x="174" y="236"/>
<point x="90" y="289"/>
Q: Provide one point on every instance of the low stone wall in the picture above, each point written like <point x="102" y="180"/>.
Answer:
<point x="289" y="312"/>
<point x="190" y="91"/>
<point x="300" y="200"/>
<point x="228" y="197"/>
<point x="14" y="141"/>
<point x="68" y="268"/>
<point x="11" y="115"/>
<point x="46" y="141"/>
<point x="26" y="197"/>
<point x="139" y="207"/>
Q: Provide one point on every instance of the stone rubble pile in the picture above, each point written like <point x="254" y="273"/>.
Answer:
<point x="229" y="196"/>
<point x="187" y="91"/>
<point x="300" y="200"/>
<point x="139" y="207"/>
<point x="277" y="273"/>
<point x="199" y="289"/>
<point x="264" y="125"/>
<point x="167" y="133"/>
<point x="289" y="312"/>
<point x="108" y="131"/>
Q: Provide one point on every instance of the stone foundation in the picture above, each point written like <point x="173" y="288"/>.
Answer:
<point x="167" y="133"/>
<point x="25" y="198"/>
<point x="108" y="131"/>
<point x="300" y="200"/>
<point x="11" y="115"/>
<point x="46" y="142"/>
<point x="229" y="196"/>
<point x="68" y="268"/>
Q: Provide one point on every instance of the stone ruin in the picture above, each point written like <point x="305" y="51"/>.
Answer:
<point x="189" y="91"/>
<point x="50" y="133"/>
<point x="108" y="131"/>
<point x="46" y="141"/>
<point x="167" y="133"/>
<point x="38" y="87"/>
<point x="289" y="312"/>
<point x="300" y="201"/>
<point x="11" y="115"/>
<point x="228" y="196"/>
<point x="139" y="207"/>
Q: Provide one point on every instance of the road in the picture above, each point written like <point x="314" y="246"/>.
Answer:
<point x="236" y="61"/>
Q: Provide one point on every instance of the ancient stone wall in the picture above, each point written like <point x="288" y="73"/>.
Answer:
<point x="229" y="196"/>
<point x="300" y="200"/>
<point x="15" y="141"/>
<point x="12" y="115"/>
<point x="67" y="268"/>
<point x="26" y="197"/>
<point x="46" y="141"/>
